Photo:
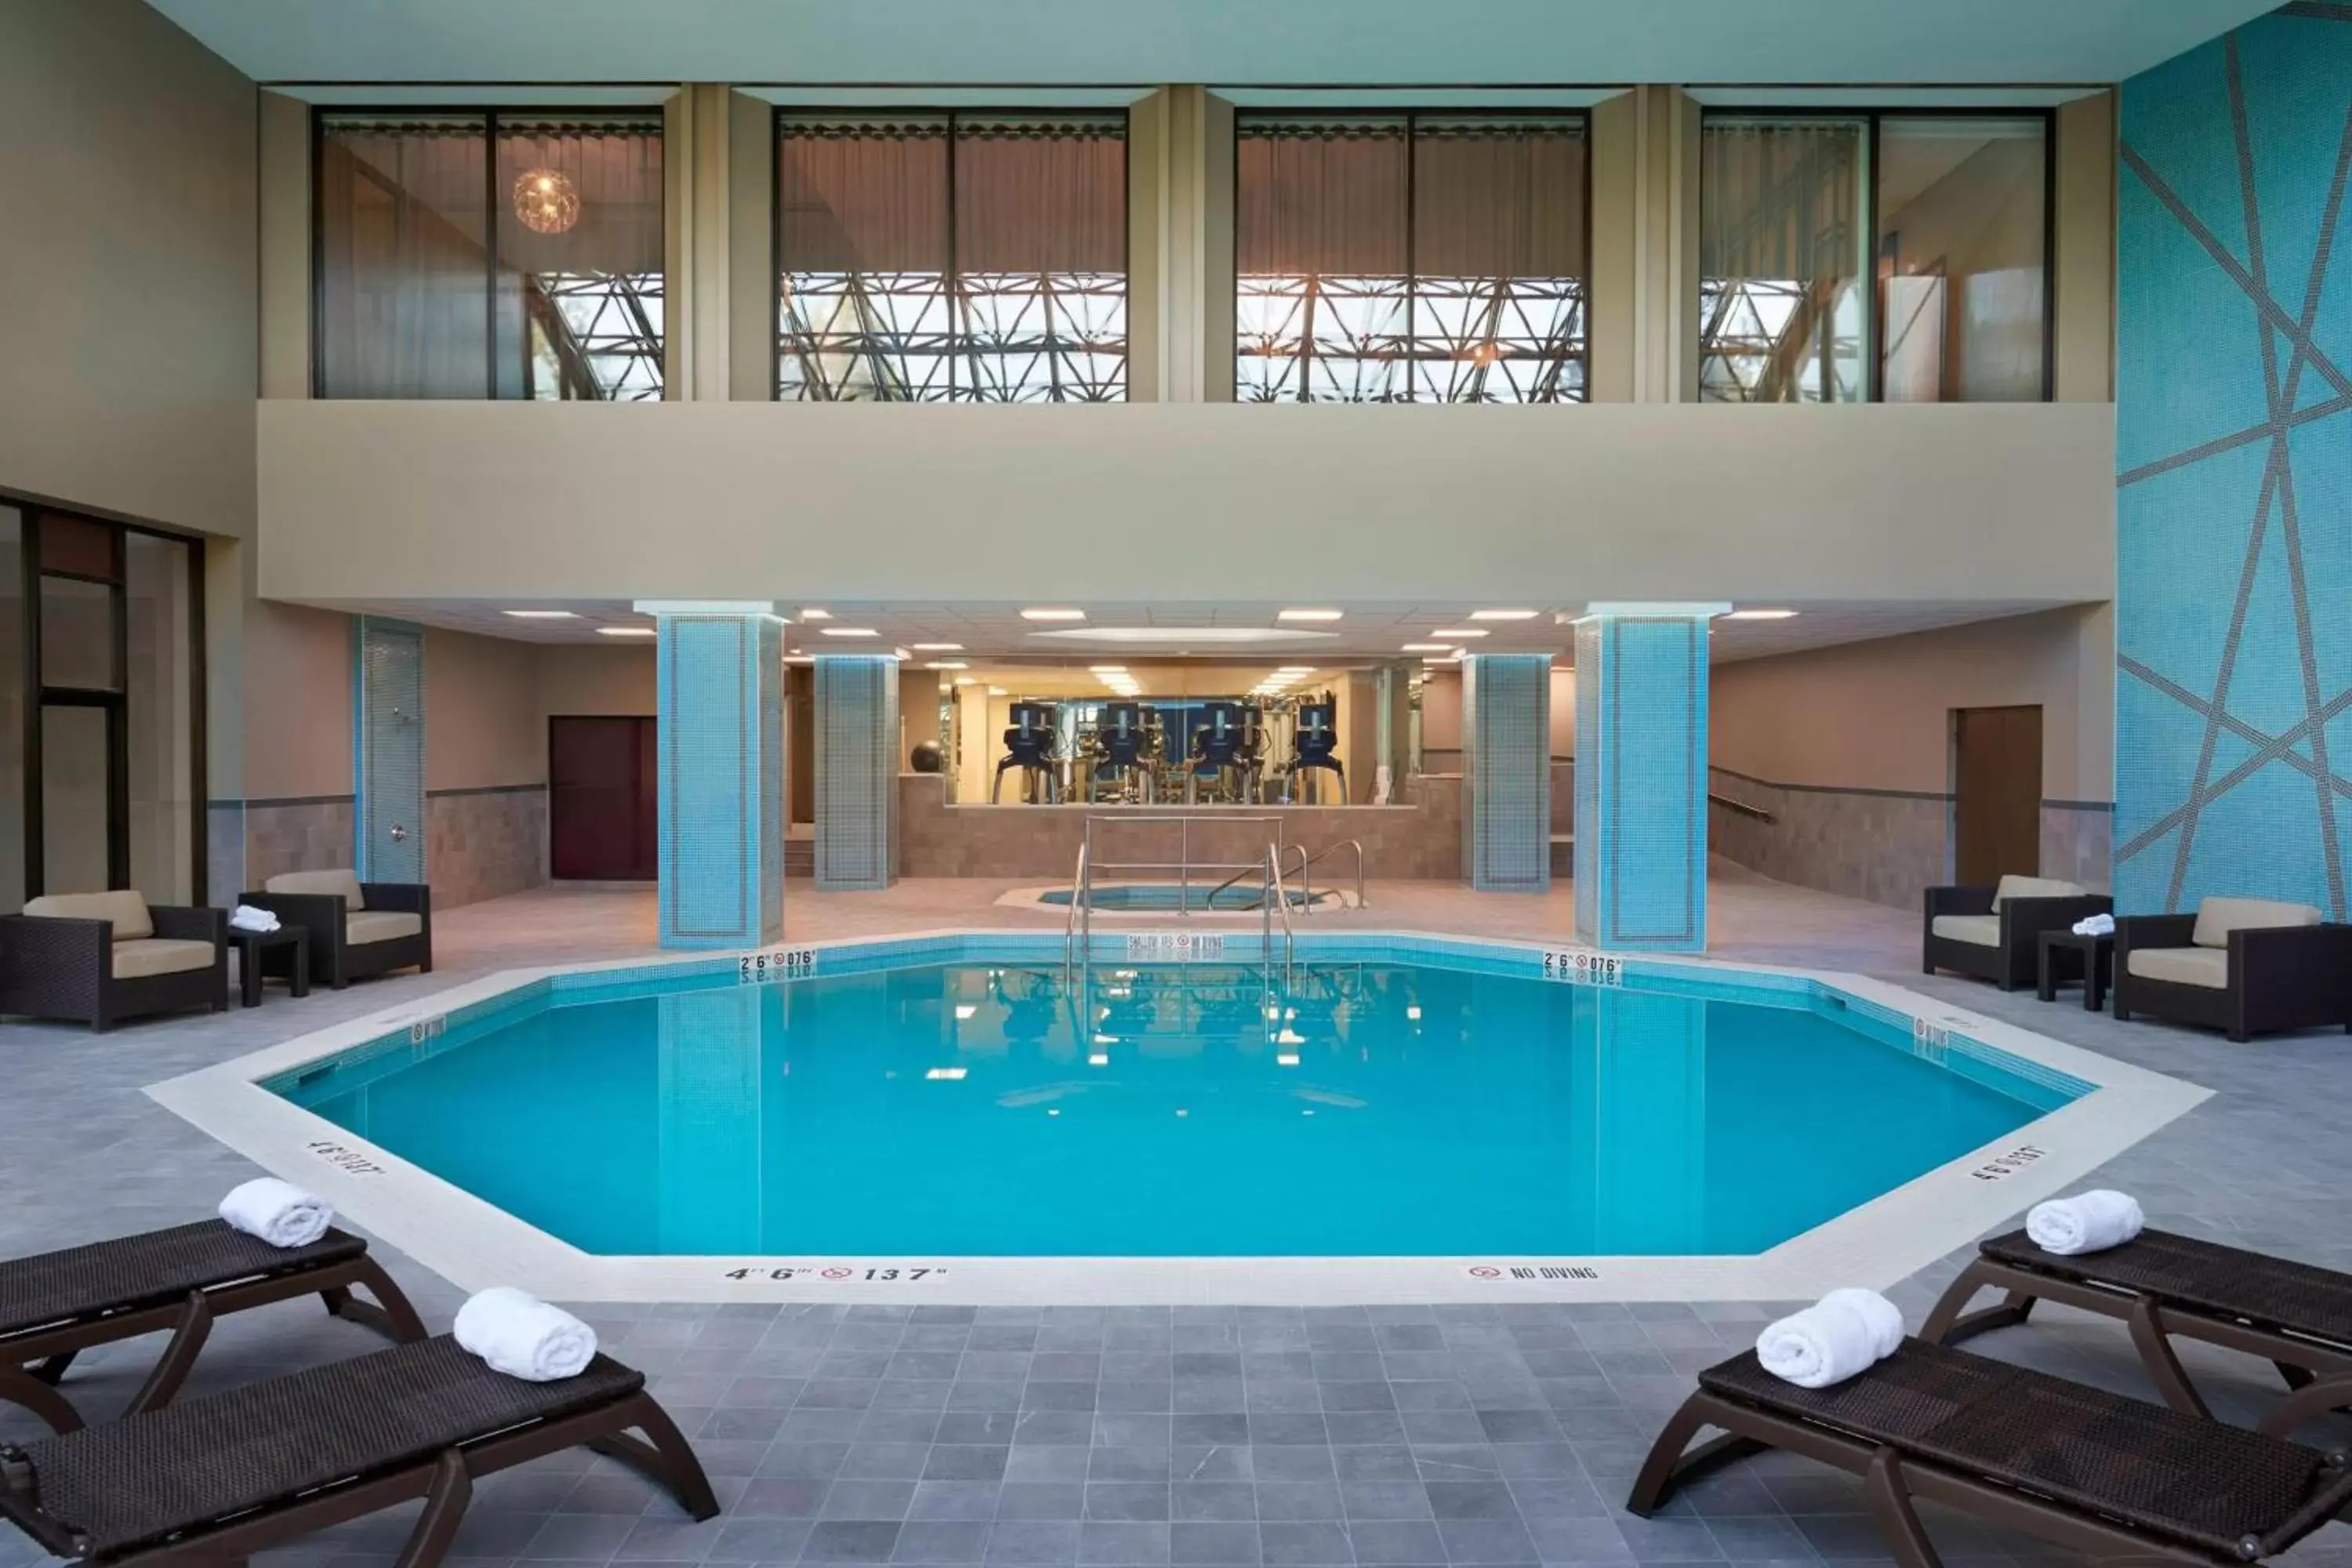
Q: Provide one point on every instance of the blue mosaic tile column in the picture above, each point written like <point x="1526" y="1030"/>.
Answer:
<point x="708" y="1084"/>
<point x="1507" y="772"/>
<point x="721" y="751"/>
<point x="1640" y="776"/>
<point x="856" y="772"/>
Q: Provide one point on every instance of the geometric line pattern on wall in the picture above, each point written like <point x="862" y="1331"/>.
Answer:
<point x="2234" y="482"/>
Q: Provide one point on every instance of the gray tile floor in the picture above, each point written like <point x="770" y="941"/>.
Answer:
<point x="1065" y="1435"/>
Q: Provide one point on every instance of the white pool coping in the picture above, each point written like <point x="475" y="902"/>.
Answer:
<point x="475" y="1245"/>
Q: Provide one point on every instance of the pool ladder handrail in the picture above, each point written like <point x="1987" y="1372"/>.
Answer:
<point x="1278" y="899"/>
<point x="1308" y="894"/>
<point x="1080" y="888"/>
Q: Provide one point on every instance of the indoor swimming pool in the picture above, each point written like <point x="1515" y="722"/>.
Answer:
<point x="1389" y="1103"/>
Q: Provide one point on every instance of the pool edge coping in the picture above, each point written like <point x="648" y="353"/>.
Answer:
<point x="474" y="1244"/>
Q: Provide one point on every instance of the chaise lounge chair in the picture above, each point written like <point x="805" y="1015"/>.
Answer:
<point x="2087" y="1470"/>
<point x="2296" y="1317"/>
<point x="1995" y="933"/>
<point x="216" y="1479"/>
<point x="55" y="1306"/>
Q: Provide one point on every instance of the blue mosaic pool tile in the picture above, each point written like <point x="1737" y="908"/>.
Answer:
<point x="1640" y="782"/>
<point x="856" y="772"/>
<point x="1507" y="772"/>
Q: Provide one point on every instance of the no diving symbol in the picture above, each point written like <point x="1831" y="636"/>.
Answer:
<point x="1486" y="1272"/>
<point x="836" y="1273"/>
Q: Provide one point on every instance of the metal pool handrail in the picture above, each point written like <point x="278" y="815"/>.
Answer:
<point x="1183" y="865"/>
<point x="1355" y="844"/>
<point x="1079" y="889"/>
<point x="1280" y="899"/>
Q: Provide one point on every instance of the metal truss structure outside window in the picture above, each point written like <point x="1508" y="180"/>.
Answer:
<point x="1411" y="259"/>
<point x="951" y="258"/>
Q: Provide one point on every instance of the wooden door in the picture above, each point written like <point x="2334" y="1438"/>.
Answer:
<point x="601" y="800"/>
<point x="1997" y="806"/>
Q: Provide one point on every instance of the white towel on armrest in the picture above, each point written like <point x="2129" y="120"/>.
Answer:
<point x="2092" y="1222"/>
<point x="1846" y="1333"/>
<point x="280" y="1212"/>
<point x="522" y="1336"/>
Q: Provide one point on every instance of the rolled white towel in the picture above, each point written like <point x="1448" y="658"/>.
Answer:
<point x="2095" y="925"/>
<point x="522" y="1336"/>
<point x="280" y="1212"/>
<point x="1845" y="1332"/>
<point x="245" y="917"/>
<point x="2089" y="1222"/>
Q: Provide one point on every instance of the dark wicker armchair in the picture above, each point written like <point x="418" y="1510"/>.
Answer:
<point x="356" y="928"/>
<point x="1995" y="933"/>
<point x="100" y="958"/>
<point x="2245" y="966"/>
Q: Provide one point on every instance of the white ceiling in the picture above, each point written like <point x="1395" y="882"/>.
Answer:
<point x="994" y="633"/>
<point x="1241" y="42"/>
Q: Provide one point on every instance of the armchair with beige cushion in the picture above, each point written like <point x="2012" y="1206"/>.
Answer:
<point x="2245" y="966"/>
<point x="1995" y="933"/>
<point x="356" y="928"/>
<point x="100" y="958"/>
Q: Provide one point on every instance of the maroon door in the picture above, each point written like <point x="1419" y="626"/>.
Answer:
<point x="602" y="825"/>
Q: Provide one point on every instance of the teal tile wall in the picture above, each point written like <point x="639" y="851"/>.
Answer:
<point x="1640" y="782"/>
<point x="857" y="771"/>
<point x="1507" y="772"/>
<point x="2233" y="437"/>
<point x="720" y="751"/>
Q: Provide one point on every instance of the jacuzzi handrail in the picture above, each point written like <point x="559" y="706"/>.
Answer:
<point x="1078" y="901"/>
<point x="1278" y="899"/>
<point x="1355" y="844"/>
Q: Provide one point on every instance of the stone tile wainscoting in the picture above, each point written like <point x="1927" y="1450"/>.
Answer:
<point x="1421" y="838"/>
<point x="485" y="843"/>
<point x="1886" y="845"/>
<point x="254" y="840"/>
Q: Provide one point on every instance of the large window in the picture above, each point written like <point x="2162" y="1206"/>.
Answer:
<point x="1410" y="259"/>
<point x="951" y="258"/>
<point x="489" y="254"/>
<point x="100" y="710"/>
<point x="1894" y="256"/>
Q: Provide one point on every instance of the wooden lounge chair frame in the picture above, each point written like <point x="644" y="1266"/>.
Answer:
<point x="33" y="1358"/>
<point x="444" y="1479"/>
<point x="2012" y="1264"/>
<point x="1894" y="1479"/>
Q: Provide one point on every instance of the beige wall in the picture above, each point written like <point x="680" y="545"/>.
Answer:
<point x="1618" y="500"/>
<point x="588" y="681"/>
<point x="127" y="258"/>
<point x="2084" y="270"/>
<point x="298" y="702"/>
<point x="1876" y="715"/>
<point x="483" y="722"/>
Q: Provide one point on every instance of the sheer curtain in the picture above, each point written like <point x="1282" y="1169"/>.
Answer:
<point x="1782" y="255"/>
<point x="404" y="274"/>
<point x="579" y="311"/>
<point x="1409" y="257"/>
<point x="971" y="258"/>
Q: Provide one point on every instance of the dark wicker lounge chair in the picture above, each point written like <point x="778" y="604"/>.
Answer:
<point x="100" y="958"/>
<point x="218" y="1478"/>
<point x="2087" y="1470"/>
<point x="1995" y="933"/>
<point x="356" y="928"/>
<point x="55" y="1306"/>
<point x="2247" y="966"/>
<point x="2296" y="1317"/>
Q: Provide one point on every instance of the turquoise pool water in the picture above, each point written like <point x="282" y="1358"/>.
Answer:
<point x="1376" y="1109"/>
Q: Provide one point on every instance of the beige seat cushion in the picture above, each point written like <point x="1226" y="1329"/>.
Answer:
<point x="345" y="882"/>
<point x="1982" y="930"/>
<point x="2217" y="918"/>
<point x="2033" y="888"/>
<point x="380" y="925"/>
<point x="2206" y="966"/>
<point x="127" y="909"/>
<point x="142" y="956"/>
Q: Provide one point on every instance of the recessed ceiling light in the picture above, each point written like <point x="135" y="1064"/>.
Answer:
<point x="938" y="647"/>
<point x="998" y="691"/>
<point x="541" y="615"/>
<point x="899" y="652"/>
<point x="946" y="664"/>
<point x="1295" y="669"/>
<point x="1452" y="633"/>
<point x="1185" y="636"/>
<point x="1501" y="615"/>
<point x="850" y="631"/>
<point x="813" y="614"/>
<point x="1428" y="647"/>
<point x="1310" y="614"/>
<point x="625" y="631"/>
<point x="1761" y="615"/>
<point x="967" y="680"/>
<point x="1050" y="614"/>
<point x="1106" y="670"/>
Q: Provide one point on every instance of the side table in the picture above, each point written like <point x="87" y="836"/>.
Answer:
<point x="251" y="944"/>
<point x="2069" y="955"/>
